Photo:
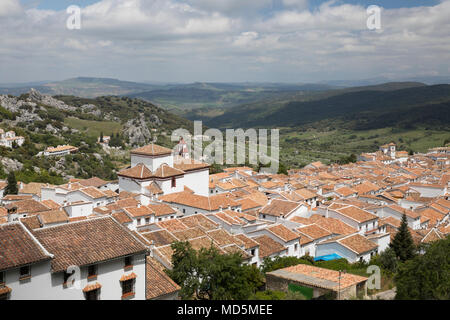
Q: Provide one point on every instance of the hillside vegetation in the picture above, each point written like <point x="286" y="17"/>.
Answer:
<point x="47" y="121"/>
<point x="366" y="109"/>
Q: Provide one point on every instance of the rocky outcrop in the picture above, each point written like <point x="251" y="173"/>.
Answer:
<point x="92" y="109"/>
<point x="36" y="96"/>
<point x="137" y="131"/>
<point x="155" y="120"/>
<point x="51" y="129"/>
<point x="11" y="165"/>
<point x="14" y="104"/>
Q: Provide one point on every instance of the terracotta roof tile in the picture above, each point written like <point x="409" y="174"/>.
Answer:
<point x="158" y="282"/>
<point x="122" y="217"/>
<point x="51" y="204"/>
<point x="28" y="206"/>
<point x="248" y="242"/>
<point x="315" y="276"/>
<point x="279" y="208"/>
<point x="137" y="212"/>
<point x="87" y="242"/>
<point x="283" y="232"/>
<point x="268" y="246"/>
<point x="356" y="214"/>
<point x="333" y="225"/>
<point x="139" y="171"/>
<point x="31" y="222"/>
<point x="211" y="203"/>
<point x="356" y="243"/>
<point x="314" y="231"/>
<point x="187" y="234"/>
<point x="189" y="165"/>
<point x="161" y="209"/>
<point x="222" y="238"/>
<point x="18" y="247"/>
<point x="53" y="216"/>
<point x="152" y="150"/>
<point x="172" y="225"/>
<point x="199" y="220"/>
<point x="159" y="237"/>
<point x="92" y="287"/>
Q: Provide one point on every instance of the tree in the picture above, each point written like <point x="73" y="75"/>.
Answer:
<point x="116" y="140"/>
<point x="403" y="244"/>
<point x="271" y="264"/>
<point x="101" y="136"/>
<point x="208" y="274"/>
<point x="426" y="277"/>
<point x="388" y="260"/>
<point x="282" y="169"/>
<point x="11" y="187"/>
<point x="215" y="168"/>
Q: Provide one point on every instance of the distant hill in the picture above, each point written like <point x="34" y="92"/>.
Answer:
<point x="82" y="86"/>
<point x="206" y="96"/>
<point x="95" y="87"/>
<point x="366" y="107"/>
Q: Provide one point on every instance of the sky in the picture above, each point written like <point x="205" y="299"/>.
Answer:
<point x="223" y="40"/>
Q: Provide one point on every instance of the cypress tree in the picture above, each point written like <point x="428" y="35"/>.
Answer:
<point x="11" y="188"/>
<point x="101" y="137"/>
<point x="402" y="243"/>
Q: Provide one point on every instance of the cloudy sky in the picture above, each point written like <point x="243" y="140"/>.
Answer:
<point x="223" y="40"/>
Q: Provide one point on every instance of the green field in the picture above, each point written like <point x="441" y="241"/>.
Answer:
<point x="94" y="128"/>
<point x="300" y="148"/>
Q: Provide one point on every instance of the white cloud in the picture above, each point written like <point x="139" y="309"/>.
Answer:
<point x="208" y="40"/>
<point x="10" y="8"/>
<point x="298" y="4"/>
<point x="231" y="6"/>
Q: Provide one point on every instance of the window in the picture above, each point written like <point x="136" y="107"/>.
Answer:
<point x="174" y="182"/>
<point x="184" y="210"/>
<point x="2" y="278"/>
<point x="295" y="247"/>
<point x="127" y="288"/>
<point x="147" y="220"/>
<point x="253" y="252"/>
<point x="159" y="219"/>
<point x="92" y="295"/>
<point x="264" y="216"/>
<point x="66" y="277"/>
<point x="128" y="262"/>
<point x="92" y="271"/>
<point x="25" y="272"/>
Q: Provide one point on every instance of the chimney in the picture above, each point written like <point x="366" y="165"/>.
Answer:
<point x="220" y="208"/>
<point x="139" y="205"/>
<point x="152" y="246"/>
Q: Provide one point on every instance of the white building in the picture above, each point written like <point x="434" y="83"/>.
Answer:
<point x="155" y="165"/>
<point x="353" y="247"/>
<point x="110" y="262"/>
<point x="7" y="139"/>
<point x="58" y="151"/>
